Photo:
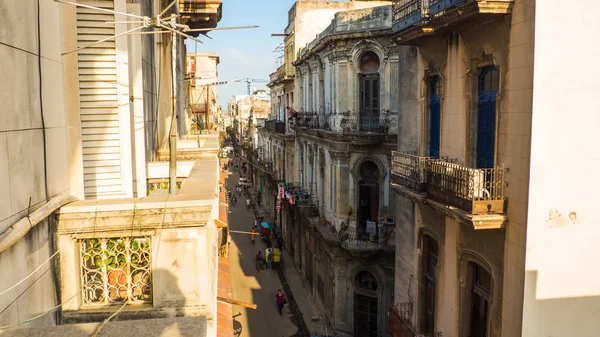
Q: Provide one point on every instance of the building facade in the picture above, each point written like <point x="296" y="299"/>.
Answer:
<point x="461" y="172"/>
<point x="202" y="111"/>
<point x="95" y="119"/>
<point x="335" y="202"/>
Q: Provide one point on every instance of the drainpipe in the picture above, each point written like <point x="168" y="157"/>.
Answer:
<point x="18" y="230"/>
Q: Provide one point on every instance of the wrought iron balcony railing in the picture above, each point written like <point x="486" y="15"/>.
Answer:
<point x="363" y="238"/>
<point x="377" y="123"/>
<point x="345" y="123"/>
<point x="409" y="13"/>
<point x="410" y="171"/>
<point x="275" y="126"/>
<point x="479" y="191"/>
<point x="401" y="322"/>
<point x="406" y="13"/>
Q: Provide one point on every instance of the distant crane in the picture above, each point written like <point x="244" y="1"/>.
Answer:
<point x="249" y="81"/>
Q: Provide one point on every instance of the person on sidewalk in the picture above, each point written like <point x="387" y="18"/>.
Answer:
<point x="259" y="261"/>
<point x="269" y="260"/>
<point x="281" y="300"/>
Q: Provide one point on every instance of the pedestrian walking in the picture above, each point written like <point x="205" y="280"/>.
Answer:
<point x="281" y="300"/>
<point x="269" y="260"/>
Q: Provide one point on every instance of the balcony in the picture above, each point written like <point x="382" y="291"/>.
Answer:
<point x="275" y="126"/>
<point x="283" y="73"/>
<point x="400" y="322"/>
<point x="348" y="123"/>
<point x="200" y="14"/>
<point x="416" y="18"/>
<point x="359" y="238"/>
<point x="478" y="194"/>
<point x="410" y="171"/>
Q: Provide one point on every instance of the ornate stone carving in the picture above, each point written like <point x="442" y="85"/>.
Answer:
<point x="341" y="157"/>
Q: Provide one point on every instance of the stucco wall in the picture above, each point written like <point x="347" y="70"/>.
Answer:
<point x="23" y="173"/>
<point x="561" y="289"/>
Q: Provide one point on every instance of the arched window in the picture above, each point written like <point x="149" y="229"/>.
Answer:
<point x="369" y="62"/>
<point x="435" y="97"/>
<point x="427" y="291"/>
<point x="480" y="294"/>
<point x="365" y="281"/>
<point x="369" y="92"/>
<point x="489" y="82"/>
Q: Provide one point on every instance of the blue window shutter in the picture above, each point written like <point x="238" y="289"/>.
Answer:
<point x="486" y="129"/>
<point x="434" y="126"/>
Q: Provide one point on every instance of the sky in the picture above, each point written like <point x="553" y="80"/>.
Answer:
<point x="248" y="52"/>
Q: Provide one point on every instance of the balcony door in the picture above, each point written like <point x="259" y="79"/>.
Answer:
<point x="365" y="305"/>
<point x="368" y="199"/>
<point x="489" y="80"/>
<point x="435" y="97"/>
<point x="481" y="283"/>
<point x="369" y="92"/>
<point x="429" y="261"/>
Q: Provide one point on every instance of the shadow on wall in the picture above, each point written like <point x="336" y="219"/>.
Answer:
<point x="558" y="317"/>
<point x="128" y="322"/>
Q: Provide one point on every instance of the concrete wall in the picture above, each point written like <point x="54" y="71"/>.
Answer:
<point x="26" y="173"/>
<point x="561" y="291"/>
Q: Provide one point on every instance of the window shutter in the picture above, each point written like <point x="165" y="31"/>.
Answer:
<point x="486" y="130"/>
<point x="434" y="126"/>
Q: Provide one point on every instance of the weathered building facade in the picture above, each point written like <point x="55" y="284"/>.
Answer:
<point x="202" y="78"/>
<point x="82" y="120"/>
<point x="466" y="95"/>
<point x="338" y="225"/>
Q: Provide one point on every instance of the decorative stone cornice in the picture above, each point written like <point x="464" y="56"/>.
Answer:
<point x="341" y="157"/>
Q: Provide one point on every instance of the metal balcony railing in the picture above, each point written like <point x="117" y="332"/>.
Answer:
<point x="410" y="171"/>
<point x="437" y="6"/>
<point x="483" y="189"/>
<point x="479" y="191"/>
<point x="406" y="13"/>
<point x="362" y="238"/>
<point x="378" y="123"/>
<point x="275" y="126"/>
<point x="401" y="322"/>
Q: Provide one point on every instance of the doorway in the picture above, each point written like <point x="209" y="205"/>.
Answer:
<point x="365" y="305"/>
<point x="368" y="199"/>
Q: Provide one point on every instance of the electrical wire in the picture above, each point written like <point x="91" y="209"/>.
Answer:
<point x="38" y="316"/>
<point x="108" y="319"/>
<point x="52" y="256"/>
<point x="24" y="291"/>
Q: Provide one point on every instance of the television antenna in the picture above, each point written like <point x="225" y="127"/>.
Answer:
<point x="162" y="24"/>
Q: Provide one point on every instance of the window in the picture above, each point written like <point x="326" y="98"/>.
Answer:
<point x="116" y="270"/>
<point x="486" y="117"/>
<point x="369" y="92"/>
<point x="429" y="261"/>
<point x="481" y="282"/>
<point x="435" y="96"/>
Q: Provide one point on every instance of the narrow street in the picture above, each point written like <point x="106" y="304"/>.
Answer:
<point x="251" y="286"/>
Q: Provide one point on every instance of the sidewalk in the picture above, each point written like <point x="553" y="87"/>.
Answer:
<point x="224" y="310"/>
<point x="304" y="299"/>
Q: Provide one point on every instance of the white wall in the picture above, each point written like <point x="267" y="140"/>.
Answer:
<point x="22" y="171"/>
<point x="562" y="292"/>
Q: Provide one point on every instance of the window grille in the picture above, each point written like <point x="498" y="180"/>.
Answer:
<point x="115" y="270"/>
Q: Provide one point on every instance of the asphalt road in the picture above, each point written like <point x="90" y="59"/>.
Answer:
<point x="251" y="286"/>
